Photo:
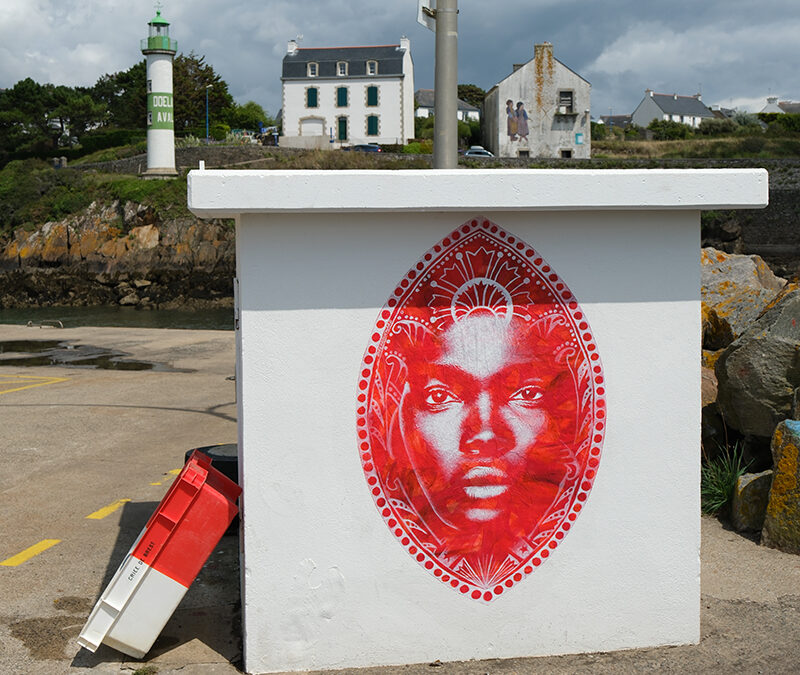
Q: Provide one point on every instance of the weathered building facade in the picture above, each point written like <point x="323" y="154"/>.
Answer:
<point x="541" y="110"/>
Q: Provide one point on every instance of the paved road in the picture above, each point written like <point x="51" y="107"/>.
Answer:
<point x="107" y="443"/>
<point x="87" y="456"/>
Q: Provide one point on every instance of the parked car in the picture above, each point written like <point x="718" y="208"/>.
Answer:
<point x="366" y="147"/>
<point x="478" y="151"/>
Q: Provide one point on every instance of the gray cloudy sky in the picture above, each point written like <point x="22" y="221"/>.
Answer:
<point x="737" y="52"/>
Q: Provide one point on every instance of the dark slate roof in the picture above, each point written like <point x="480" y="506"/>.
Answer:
<point x="389" y="58"/>
<point x="681" y="105"/>
<point x="425" y="99"/>
<point x="617" y="120"/>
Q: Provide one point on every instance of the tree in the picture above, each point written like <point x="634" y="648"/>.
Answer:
<point x="32" y="118"/>
<point x="125" y="97"/>
<point x="191" y="76"/>
<point x="248" y="116"/>
<point x="472" y="94"/>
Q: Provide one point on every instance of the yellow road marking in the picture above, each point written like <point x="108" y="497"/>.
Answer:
<point x="155" y="483"/>
<point x="28" y="553"/>
<point x="174" y="472"/>
<point x="27" y="382"/>
<point x="107" y="510"/>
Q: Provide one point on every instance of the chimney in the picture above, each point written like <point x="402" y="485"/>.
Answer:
<point x="543" y="51"/>
<point x="699" y="97"/>
<point x="291" y="48"/>
<point x="648" y="92"/>
<point x="674" y="97"/>
<point x="405" y="44"/>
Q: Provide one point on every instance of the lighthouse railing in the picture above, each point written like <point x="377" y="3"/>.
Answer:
<point x="160" y="43"/>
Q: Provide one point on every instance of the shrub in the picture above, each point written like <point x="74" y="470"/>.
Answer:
<point x="419" y="148"/>
<point x="788" y="123"/>
<point x="219" y="131"/>
<point x="718" y="479"/>
<point x="748" y="122"/>
<point x="717" y="127"/>
<point x="752" y="144"/>
<point x="665" y="130"/>
<point x="599" y="131"/>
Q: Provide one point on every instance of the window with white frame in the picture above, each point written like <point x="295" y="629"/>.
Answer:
<point x="372" y="67"/>
<point x="312" y="69"/>
<point x="341" y="68"/>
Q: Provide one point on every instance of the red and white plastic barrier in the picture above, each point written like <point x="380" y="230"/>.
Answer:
<point x="164" y="560"/>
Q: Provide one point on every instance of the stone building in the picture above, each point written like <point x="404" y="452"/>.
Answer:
<point x="542" y="109"/>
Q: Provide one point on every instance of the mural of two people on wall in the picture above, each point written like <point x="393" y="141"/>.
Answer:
<point x="481" y="410"/>
<point x="517" y="121"/>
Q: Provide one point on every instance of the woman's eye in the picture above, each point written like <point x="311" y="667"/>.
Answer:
<point x="439" y="395"/>
<point x="529" y="394"/>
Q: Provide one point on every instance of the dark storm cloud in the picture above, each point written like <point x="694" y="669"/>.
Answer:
<point x="737" y="51"/>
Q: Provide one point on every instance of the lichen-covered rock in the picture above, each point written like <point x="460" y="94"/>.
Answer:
<point x="782" y="522"/>
<point x="750" y="501"/>
<point x="735" y="289"/>
<point x="717" y="333"/>
<point x="758" y="373"/>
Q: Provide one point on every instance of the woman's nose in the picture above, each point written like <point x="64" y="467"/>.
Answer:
<point x="485" y="433"/>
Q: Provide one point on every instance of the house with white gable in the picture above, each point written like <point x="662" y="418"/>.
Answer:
<point x="671" y="108"/>
<point x="339" y="96"/>
<point x="425" y="100"/>
<point x="542" y="109"/>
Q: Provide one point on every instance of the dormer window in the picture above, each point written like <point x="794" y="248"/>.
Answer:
<point x="312" y="69"/>
<point x="372" y="67"/>
<point x="341" y="68"/>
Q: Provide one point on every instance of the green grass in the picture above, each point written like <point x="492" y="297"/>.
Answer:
<point x="718" y="478"/>
<point x="33" y="193"/>
<point x="748" y="147"/>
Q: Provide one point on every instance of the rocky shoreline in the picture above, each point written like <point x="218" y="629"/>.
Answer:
<point x="119" y="254"/>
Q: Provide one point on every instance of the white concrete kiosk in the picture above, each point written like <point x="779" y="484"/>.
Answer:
<point x="429" y="366"/>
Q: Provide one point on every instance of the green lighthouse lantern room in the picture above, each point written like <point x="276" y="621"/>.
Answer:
<point x="158" y="36"/>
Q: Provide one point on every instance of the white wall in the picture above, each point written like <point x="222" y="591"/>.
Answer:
<point x="325" y="584"/>
<point x="394" y="118"/>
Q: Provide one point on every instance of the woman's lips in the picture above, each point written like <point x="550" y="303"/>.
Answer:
<point x="485" y="482"/>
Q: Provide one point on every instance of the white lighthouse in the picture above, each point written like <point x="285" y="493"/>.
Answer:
<point x="160" y="50"/>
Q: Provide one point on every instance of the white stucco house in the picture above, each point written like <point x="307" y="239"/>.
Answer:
<point x="339" y="96"/>
<point x="672" y="108"/>
<point x="424" y="99"/>
<point x="542" y="109"/>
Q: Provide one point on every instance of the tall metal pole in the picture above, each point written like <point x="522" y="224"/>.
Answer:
<point x="445" y="128"/>
<point x="208" y="86"/>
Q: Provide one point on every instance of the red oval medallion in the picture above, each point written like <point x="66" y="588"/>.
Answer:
<point x="482" y="410"/>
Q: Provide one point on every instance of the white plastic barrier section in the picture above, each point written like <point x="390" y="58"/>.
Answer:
<point x="469" y="409"/>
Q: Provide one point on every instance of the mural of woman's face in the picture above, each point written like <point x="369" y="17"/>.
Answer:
<point x="481" y="409"/>
<point x="484" y="421"/>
